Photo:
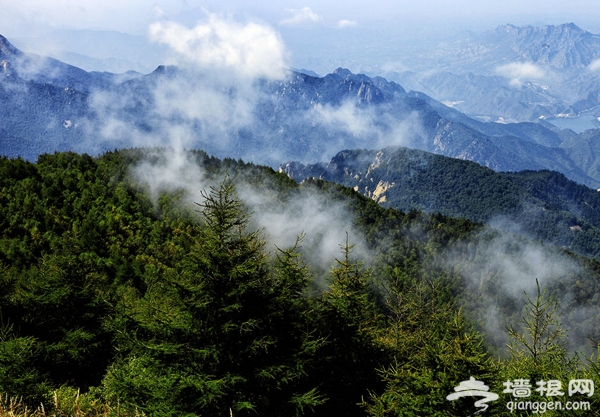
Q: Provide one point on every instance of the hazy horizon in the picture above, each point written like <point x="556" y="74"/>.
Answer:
<point x="318" y="36"/>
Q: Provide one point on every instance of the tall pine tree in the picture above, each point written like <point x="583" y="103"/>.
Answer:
<point x="219" y="330"/>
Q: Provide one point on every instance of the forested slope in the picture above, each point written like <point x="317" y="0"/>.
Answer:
<point x="145" y="299"/>
<point x="544" y="205"/>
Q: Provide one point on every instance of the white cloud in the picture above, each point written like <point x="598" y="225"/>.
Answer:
<point x="175" y="170"/>
<point x="499" y="267"/>
<point x="347" y="116"/>
<point x="249" y="50"/>
<point x="518" y="72"/>
<point x="342" y="24"/>
<point x="300" y="16"/>
<point x="594" y="65"/>
<point x="394" y="66"/>
<point x="323" y="222"/>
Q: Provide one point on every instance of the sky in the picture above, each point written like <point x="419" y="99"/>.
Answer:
<point x="316" y="34"/>
<point x="133" y="16"/>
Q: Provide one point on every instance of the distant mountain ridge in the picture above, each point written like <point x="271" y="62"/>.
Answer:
<point x="561" y="46"/>
<point x="51" y="106"/>
<point x="98" y="50"/>
<point x="514" y="73"/>
<point x="7" y="49"/>
<point x="542" y="204"/>
<point x="564" y="46"/>
<point x="44" y="70"/>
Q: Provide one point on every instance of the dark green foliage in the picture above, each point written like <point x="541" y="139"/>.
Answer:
<point x="543" y="340"/>
<point x="144" y="301"/>
<point x="349" y="320"/>
<point x="538" y="350"/>
<point x="434" y="347"/>
<point x="218" y="330"/>
<point x="18" y="373"/>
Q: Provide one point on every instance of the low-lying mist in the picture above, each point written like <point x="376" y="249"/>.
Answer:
<point x="227" y="89"/>
<point x="501" y="269"/>
<point x="324" y="224"/>
<point x="230" y="95"/>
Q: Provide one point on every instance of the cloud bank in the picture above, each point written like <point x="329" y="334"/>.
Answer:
<point x="499" y="267"/>
<point x="366" y="126"/>
<point x="323" y="223"/>
<point x="203" y="101"/>
<point x="250" y="50"/>
<point x="594" y="65"/>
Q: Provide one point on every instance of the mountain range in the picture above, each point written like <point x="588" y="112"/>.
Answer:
<point x="512" y="73"/>
<point x="52" y="106"/>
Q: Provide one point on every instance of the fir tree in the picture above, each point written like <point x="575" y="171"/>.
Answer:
<point x="218" y="331"/>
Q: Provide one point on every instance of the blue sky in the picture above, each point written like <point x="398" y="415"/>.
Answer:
<point x="318" y="35"/>
<point x="133" y="16"/>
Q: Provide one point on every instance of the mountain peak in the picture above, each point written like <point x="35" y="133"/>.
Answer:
<point x="572" y="26"/>
<point x="342" y="72"/>
<point x="7" y="49"/>
<point x="561" y="46"/>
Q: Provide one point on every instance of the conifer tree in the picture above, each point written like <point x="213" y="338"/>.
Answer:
<point x="542" y="339"/>
<point x="217" y="331"/>
<point x="349" y="319"/>
<point x="538" y="349"/>
<point x="433" y="349"/>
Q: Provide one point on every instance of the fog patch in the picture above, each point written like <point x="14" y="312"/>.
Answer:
<point x="36" y="68"/>
<point x="213" y="94"/>
<point x="204" y="102"/>
<point x="343" y="24"/>
<point x="368" y="127"/>
<point x="324" y="224"/>
<point x="594" y="65"/>
<point x="520" y="72"/>
<point x="499" y="268"/>
<point x="300" y="16"/>
<point x="170" y="170"/>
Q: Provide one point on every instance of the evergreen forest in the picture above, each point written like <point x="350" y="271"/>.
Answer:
<point x="121" y="298"/>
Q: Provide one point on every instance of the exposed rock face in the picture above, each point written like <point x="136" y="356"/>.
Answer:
<point x="5" y="68"/>
<point x="543" y="203"/>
